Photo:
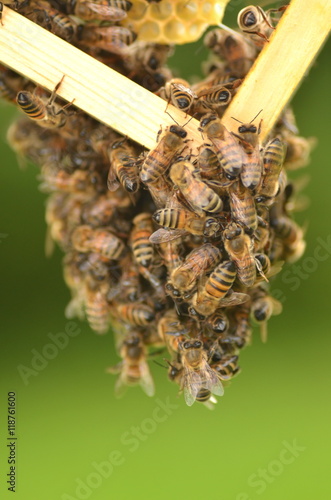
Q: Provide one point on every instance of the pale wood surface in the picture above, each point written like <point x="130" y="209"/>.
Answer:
<point x="282" y="64"/>
<point x="136" y="112"/>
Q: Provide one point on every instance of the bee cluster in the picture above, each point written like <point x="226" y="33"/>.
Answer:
<point x="173" y="248"/>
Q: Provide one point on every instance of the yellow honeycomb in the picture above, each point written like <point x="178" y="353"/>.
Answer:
<point x="173" y="21"/>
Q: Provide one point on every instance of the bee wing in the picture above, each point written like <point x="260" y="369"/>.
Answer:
<point x="277" y="307"/>
<point x="161" y="192"/>
<point x="146" y="381"/>
<point x="163" y="235"/>
<point x="114" y="370"/>
<point x="192" y="384"/>
<point x="213" y="382"/>
<point x="234" y="299"/>
<point x="187" y="90"/>
<point x="209" y="90"/>
<point x="112" y="182"/>
<point x="259" y="268"/>
<point x="49" y="243"/>
<point x="275" y="268"/>
<point x="109" y="13"/>
<point x="120" y="386"/>
<point x="75" y="308"/>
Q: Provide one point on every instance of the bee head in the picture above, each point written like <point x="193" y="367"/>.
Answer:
<point x="177" y="130"/>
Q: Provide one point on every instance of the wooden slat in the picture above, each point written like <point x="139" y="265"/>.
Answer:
<point x="132" y="110"/>
<point x="282" y="64"/>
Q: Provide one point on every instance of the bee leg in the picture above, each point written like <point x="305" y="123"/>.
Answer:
<point x="1" y="11"/>
<point x="65" y="107"/>
<point x="258" y="34"/>
<point x="53" y="94"/>
<point x="158" y="134"/>
<point x="281" y="9"/>
<point x="168" y="102"/>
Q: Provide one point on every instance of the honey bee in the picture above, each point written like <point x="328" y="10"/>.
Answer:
<point x="218" y="322"/>
<point x="242" y="206"/>
<point x="227" y="367"/>
<point x="256" y="23"/>
<point x="135" y="314"/>
<point x="178" y="92"/>
<point x="197" y="262"/>
<point x="242" y="326"/>
<point x="233" y="48"/>
<point x="213" y="97"/>
<point x="263" y="307"/>
<point x="56" y="227"/>
<point x="228" y="151"/>
<point x="129" y="284"/>
<point x="75" y="281"/>
<point x="109" y="38"/>
<point x="50" y="19"/>
<point x="298" y="151"/>
<point x="262" y="238"/>
<point x="123" y="167"/>
<point x="161" y="191"/>
<point x="148" y="56"/>
<point x="142" y="248"/>
<point x="47" y="115"/>
<point x="86" y="239"/>
<point x="225" y="344"/>
<point x="197" y="194"/>
<point x="133" y="368"/>
<point x="239" y="247"/>
<point x="171" y="253"/>
<point x="7" y="92"/>
<point x="181" y="221"/>
<point x="96" y="266"/>
<point x="96" y="10"/>
<point x="248" y="136"/>
<point x="290" y="233"/>
<point x="265" y="268"/>
<point x="100" y="210"/>
<point x="197" y="374"/>
<point x="209" y="166"/>
<point x="175" y="374"/>
<point x="217" y="76"/>
<point x="171" y="331"/>
<point x="59" y="24"/>
<point x="63" y="212"/>
<point x="273" y="159"/>
<point x="212" y="294"/>
<point x="158" y="160"/>
<point x="78" y="181"/>
<point x="96" y="306"/>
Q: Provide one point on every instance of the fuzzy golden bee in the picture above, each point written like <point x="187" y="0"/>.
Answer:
<point x="158" y="160"/>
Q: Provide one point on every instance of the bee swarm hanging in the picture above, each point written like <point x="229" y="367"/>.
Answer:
<point x="174" y="250"/>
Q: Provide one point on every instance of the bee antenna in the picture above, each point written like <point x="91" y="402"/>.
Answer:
<point x="256" y="115"/>
<point x="188" y="121"/>
<point x="172" y="118"/>
<point x="230" y="30"/>
<point x="233" y="118"/>
<point x="160" y="364"/>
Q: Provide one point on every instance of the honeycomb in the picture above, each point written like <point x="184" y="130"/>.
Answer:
<point x="174" y="21"/>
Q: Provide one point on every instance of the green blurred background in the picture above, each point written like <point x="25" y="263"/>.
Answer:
<point x="68" y="421"/>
